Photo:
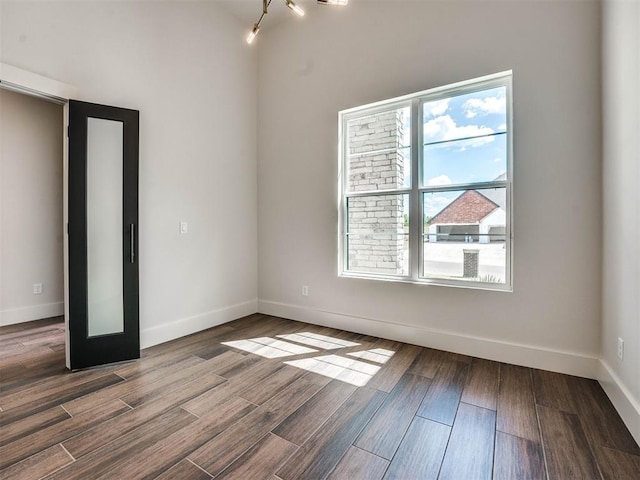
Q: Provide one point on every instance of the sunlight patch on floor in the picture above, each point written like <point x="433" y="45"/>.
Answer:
<point x="316" y="340"/>
<point x="355" y="368"/>
<point x="347" y="370"/>
<point x="331" y="370"/>
<point x="350" y="364"/>
<point x="292" y="348"/>
<point x="276" y="349"/>
<point x="378" y="355"/>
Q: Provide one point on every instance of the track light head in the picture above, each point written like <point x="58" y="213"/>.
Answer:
<point x="254" y="32"/>
<point x="295" y="8"/>
<point x="333" y="2"/>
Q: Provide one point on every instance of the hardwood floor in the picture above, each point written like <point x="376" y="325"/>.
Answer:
<point x="269" y="398"/>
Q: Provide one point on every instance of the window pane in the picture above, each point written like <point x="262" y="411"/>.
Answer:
<point x="379" y="151"/>
<point x="471" y="115"/>
<point x="464" y="235"/>
<point x="378" y="234"/>
<point x="481" y="159"/>
<point x="105" y="311"/>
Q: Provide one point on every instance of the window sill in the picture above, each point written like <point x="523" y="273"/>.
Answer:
<point x="492" y="287"/>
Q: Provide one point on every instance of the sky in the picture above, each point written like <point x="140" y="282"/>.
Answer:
<point x="464" y="141"/>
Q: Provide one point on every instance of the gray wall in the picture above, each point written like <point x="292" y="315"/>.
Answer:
<point x="371" y="51"/>
<point x="186" y="67"/>
<point x="621" y="175"/>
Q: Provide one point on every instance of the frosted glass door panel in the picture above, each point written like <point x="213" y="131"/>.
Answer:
<point x="104" y="227"/>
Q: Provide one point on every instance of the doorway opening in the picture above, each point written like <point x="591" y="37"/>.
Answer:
<point x="31" y="208"/>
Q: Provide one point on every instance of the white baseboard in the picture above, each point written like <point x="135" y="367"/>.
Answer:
<point x="517" y="354"/>
<point x="187" y="326"/>
<point x="627" y="406"/>
<point x="27" y="314"/>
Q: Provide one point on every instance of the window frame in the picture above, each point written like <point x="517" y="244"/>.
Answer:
<point x="416" y="191"/>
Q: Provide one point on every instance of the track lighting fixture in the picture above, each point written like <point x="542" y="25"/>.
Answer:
<point x="295" y="8"/>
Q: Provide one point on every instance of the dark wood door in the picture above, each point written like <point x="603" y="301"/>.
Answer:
<point x="103" y="235"/>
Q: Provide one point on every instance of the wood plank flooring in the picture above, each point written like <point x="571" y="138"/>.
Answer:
<point x="269" y="398"/>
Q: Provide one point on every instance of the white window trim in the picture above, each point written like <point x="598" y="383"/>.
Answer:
<point x="415" y="192"/>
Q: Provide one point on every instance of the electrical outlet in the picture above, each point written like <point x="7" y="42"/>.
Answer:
<point x="305" y="290"/>
<point x="37" y="288"/>
<point x="620" y="348"/>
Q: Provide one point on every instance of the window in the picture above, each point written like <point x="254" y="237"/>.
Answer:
<point x="425" y="186"/>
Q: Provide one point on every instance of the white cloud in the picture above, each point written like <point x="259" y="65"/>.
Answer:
<point x="436" y="108"/>
<point x="435" y="204"/>
<point x="502" y="126"/>
<point x="484" y="106"/>
<point x="439" y="180"/>
<point x="498" y="160"/>
<point x="445" y="128"/>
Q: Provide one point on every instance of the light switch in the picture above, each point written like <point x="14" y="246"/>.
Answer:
<point x="184" y="227"/>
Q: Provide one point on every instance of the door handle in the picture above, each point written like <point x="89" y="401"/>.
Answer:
<point x="132" y="257"/>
